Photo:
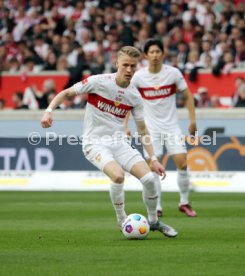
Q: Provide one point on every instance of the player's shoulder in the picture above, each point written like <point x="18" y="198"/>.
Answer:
<point x="103" y="77"/>
<point x="170" y="69"/>
<point x="133" y="94"/>
<point x="141" y="71"/>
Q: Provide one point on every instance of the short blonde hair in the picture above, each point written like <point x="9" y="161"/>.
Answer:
<point x="130" y="51"/>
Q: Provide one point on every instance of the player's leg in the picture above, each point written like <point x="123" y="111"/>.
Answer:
<point x="128" y="157"/>
<point x="183" y="180"/>
<point x="158" y="151"/>
<point x="132" y="161"/>
<point x="115" y="172"/>
<point x="101" y="156"/>
<point x="175" y="145"/>
<point x="141" y="171"/>
<point x="158" y="188"/>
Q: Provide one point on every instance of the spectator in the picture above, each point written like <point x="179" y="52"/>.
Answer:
<point x="216" y="103"/>
<point x="42" y="96"/>
<point x="36" y="99"/>
<point x="239" y="52"/>
<point x="191" y="13"/>
<point x="180" y="100"/>
<point x="225" y="64"/>
<point x="2" y="104"/>
<point x="62" y="63"/>
<point x="161" y="29"/>
<point x="13" y="65"/>
<point x="3" y="61"/>
<point x="239" y="81"/>
<point x="29" y="98"/>
<point x="192" y="65"/>
<point x="241" y="98"/>
<point x="228" y="63"/>
<point x="188" y="31"/>
<point x="207" y="51"/>
<point x="192" y="61"/>
<point x="182" y="55"/>
<point x="18" y="101"/>
<point x="225" y="23"/>
<point x="51" y="61"/>
<point x="41" y="48"/>
<point x="6" y="23"/>
<point x="38" y="33"/>
<point x="202" y="100"/>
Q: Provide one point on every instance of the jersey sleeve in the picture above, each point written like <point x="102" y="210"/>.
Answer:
<point x="180" y="81"/>
<point x="87" y="85"/>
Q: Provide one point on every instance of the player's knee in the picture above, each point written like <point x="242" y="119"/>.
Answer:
<point x="118" y="177"/>
<point x="148" y="180"/>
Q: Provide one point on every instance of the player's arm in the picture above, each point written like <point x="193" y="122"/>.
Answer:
<point x="189" y="103"/>
<point x="68" y="93"/>
<point x="146" y="141"/>
<point x="126" y="128"/>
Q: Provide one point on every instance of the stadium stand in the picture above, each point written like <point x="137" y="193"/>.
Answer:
<point x="78" y="38"/>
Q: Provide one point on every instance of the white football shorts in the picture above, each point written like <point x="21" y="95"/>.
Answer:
<point x="121" y="151"/>
<point x="174" y="144"/>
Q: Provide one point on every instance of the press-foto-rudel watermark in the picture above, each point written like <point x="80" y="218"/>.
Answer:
<point x="35" y="138"/>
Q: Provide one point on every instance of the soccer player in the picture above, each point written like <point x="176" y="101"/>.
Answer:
<point x="158" y="85"/>
<point x="110" y="98"/>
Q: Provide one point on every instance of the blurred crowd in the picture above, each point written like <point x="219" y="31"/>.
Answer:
<point x="82" y="36"/>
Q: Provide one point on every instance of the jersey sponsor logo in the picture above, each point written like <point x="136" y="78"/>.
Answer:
<point x="157" y="92"/>
<point x="105" y="105"/>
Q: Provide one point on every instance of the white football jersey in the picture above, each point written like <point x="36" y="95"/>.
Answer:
<point x="158" y="94"/>
<point x="107" y="106"/>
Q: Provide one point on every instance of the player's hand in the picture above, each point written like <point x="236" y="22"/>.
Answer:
<point x="192" y="128"/>
<point x="158" y="168"/>
<point x="47" y="120"/>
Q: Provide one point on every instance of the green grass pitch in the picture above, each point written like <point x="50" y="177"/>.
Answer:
<point x="75" y="233"/>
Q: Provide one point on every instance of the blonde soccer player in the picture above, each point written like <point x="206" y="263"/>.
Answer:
<point x="110" y="98"/>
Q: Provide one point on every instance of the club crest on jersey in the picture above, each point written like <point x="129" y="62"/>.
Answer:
<point x="156" y="87"/>
<point x="118" y="101"/>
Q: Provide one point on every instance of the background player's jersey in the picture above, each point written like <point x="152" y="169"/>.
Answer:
<point x="158" y="94"/>
<point x="107" y="107"/>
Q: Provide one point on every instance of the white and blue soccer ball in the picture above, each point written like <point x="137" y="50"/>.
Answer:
<point x="135" y="227"/>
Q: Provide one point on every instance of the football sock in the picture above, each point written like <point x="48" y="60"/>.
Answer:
<point x="159" y="190"/>
<point x="150" y="196"/>
<point x="117" y="199"/>
<point x="183" y="183"/>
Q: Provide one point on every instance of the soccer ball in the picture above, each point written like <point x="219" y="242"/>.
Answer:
<point x="135" y="227"/>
